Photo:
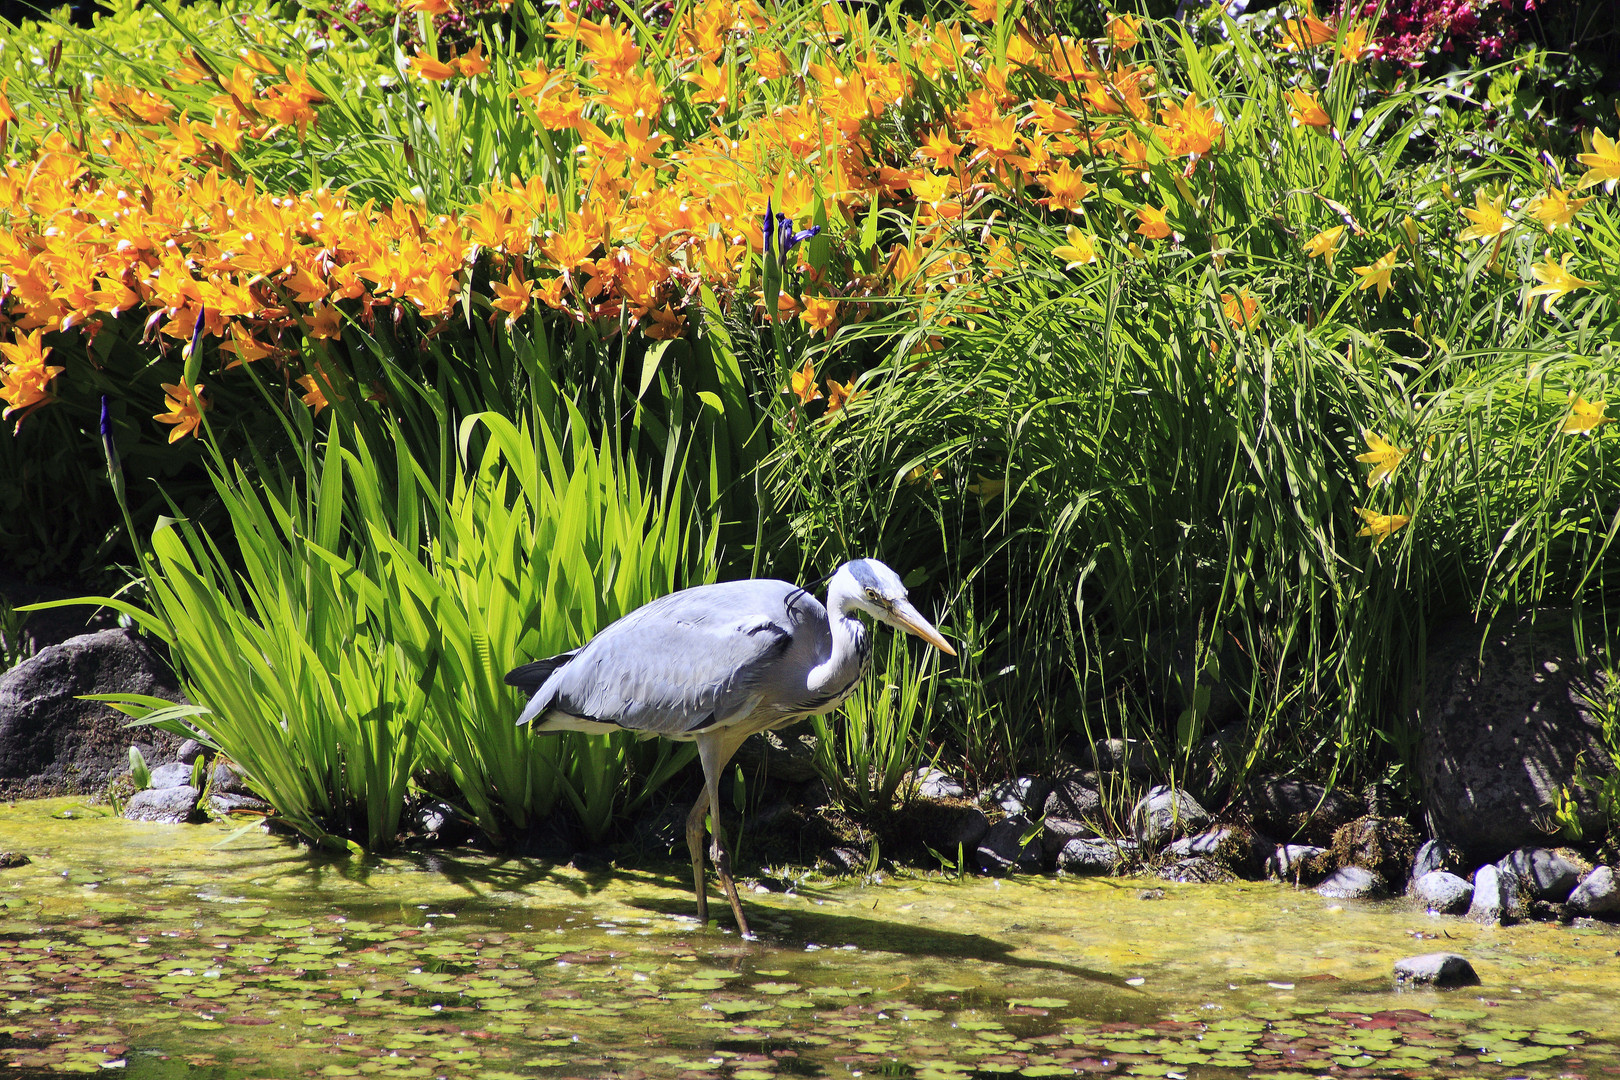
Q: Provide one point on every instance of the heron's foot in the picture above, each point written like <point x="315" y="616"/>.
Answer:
<point x="694" y="845"/>
<point x="722" y="866"/>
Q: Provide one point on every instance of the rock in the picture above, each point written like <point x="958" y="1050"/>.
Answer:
<point x="223" y="806"/>
<point x="1056" y="832"/>
<point x="933" y="784"/>
<point x="1382" y="845"/>
<point x="1197" y="870"/>
<point x="1024" y="795"/>
<point x="1290" y="862"/>
<point x="947" y="826"/>
<point x="163" y="806"/>
<point x="1597" y="894"/>
<point x="1238" y="850"/>
<point x="171" y="775"/>
<point x="847" y="860"/>
<point x="1165" y="813"/>
<point x="1300" y="810"/>
<point x="10" y="860"/>
<point x="1435" y="969"/>
<point x="225" y="780"/>
<point x="51" y="743"/>
<point x="1083" y="856"/>
<point x="1004" y="851"/>
<point x="1505" y="717"/>
<point x="1435" y="855"/>
<point x="1118" y="755"/>
<point x="1496" y="895"/>
<point x="1546" y="874"/>
<point x="1352" y="883"/>
<point x="190" y="751"/>
<point x="1442" y="891"/>
<point x="786" y="757"/>
<point x="1072" y="800"/>
<point x="436" y="819"/>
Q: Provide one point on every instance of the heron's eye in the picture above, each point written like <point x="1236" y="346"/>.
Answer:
<point x="873" y="595"/>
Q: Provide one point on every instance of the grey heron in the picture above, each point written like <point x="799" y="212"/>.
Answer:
<point x="715" y="664"/>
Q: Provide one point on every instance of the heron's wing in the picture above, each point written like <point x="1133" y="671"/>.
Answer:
<point x="533" y="675"/>
<point x="683" y="662"/>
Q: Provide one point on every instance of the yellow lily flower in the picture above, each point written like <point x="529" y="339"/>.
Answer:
<point x="1324" y="243"/>
<point x="1603" y="164"/>
<point x="1381" y="526"/>
<point x="1382" y="455"/>
<point x="1584" y="416"/>
<point x="1488" y="220"/>
<point x="1078" y="250"/>
<point x="1378" y="274"/>
<point x="1556" y="280"/>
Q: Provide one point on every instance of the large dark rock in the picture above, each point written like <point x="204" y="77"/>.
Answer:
<point x="1025" y="795"/>
<point x="1504" y="717"/>
<point x="53" y="744"/>
<point x="1300" y="811"/>
<point x="1240" y="851"/>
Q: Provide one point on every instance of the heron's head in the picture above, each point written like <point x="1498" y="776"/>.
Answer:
<point x="877" y="590"/>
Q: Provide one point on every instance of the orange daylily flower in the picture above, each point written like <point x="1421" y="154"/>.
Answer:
<point x="185" y="410"/>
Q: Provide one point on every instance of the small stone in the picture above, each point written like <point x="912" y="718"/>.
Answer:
<point x="1056" y="832"/>
<point x="1352" y="883"/>
<point x="846" y="860"/>
<point x="1288" y="862"/>
<point x="933" y="784"/>
<point x="1084" y="856"/>
<point x="172" y="775"/>
<point x="1118" y="755"/>
<point x="227" y="781"/>
<point x="12" y="859"/>
<point x="1004" y="851"/>
<point x="1547" y="874"/>
<point x="1072" y="800"/>
<point x="1435" y="855"/>
<point x="1165" y="813"/>
<point x="190" y="751"/>
<point x="163" y="806"/>
<point x="1239" y="850"/>
<point x="1442" y="891"/>
<point x="1597" y="894"/>
<point x="1435" y="969"/>
<point x="1197" y="870"/>
<point x="438" y="820"/>
<point x="221" y="806"/>
<point x="1020" y="796"/>
<point x="1496" y="895"/>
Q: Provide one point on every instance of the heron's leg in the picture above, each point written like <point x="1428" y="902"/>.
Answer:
<point x="694" y="844"/>
<point x="713" y="755"/>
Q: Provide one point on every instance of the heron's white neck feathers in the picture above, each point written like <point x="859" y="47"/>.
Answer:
<point x="850" y="646"/>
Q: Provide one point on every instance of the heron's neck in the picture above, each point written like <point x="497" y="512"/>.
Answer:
<point x="850" y="645"/>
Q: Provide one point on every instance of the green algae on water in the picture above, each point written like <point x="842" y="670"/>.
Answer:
<point x="199" y="951"/>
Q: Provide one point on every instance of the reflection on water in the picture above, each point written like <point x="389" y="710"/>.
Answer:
<point x="207" y="952"/>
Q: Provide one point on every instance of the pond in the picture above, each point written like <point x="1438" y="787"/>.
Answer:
<point x="208" y="951"/>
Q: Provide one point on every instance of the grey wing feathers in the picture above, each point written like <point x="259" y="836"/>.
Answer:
<point x="680" y="663"/>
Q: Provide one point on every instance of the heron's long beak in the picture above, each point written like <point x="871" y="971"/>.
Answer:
<point x="910" y="620"/>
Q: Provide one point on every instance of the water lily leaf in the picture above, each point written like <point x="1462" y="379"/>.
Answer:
<point x="1039" y="1003"/>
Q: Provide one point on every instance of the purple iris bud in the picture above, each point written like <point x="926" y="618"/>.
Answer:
<point x="791" y="239"/>
<point x="196" y="331"/>
<point x="106" y="419"/>
<point x="769" y="228"/>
